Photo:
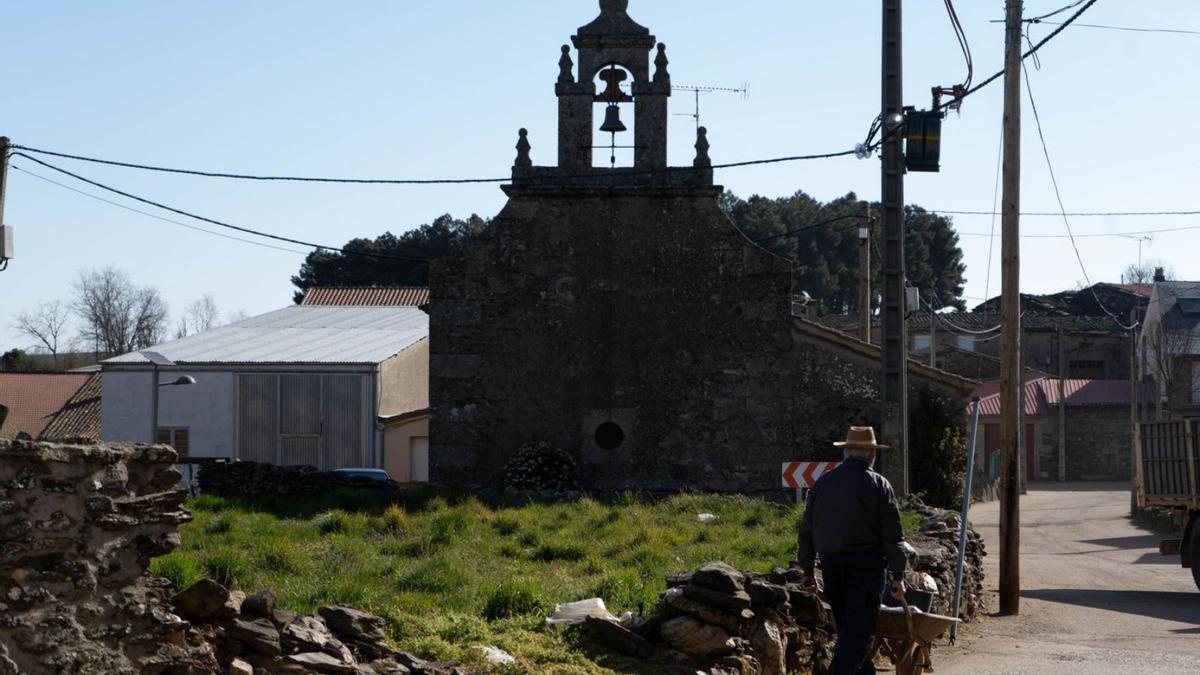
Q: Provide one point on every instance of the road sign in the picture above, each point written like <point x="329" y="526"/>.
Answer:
<point x="798" y="475"/>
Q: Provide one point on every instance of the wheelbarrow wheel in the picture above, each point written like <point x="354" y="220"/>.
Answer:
<point x="1195" y="551"/>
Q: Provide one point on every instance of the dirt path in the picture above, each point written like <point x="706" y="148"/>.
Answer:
<point x="1096" y="596"/>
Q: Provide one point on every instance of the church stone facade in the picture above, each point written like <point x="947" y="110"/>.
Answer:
<point x="616" y="312"/>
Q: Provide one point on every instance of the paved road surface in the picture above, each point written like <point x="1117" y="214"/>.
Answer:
<point x="1096" y="596"/>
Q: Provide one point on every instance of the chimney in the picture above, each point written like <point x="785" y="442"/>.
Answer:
<point x="1159" y="275"/>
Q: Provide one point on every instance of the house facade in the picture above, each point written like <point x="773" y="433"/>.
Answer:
<point x="1169" y="348"/>
<point x="304" y="385"/>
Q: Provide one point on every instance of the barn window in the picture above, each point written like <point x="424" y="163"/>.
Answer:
<point x="609" y="436"/>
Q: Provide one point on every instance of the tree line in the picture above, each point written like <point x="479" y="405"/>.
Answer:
<point x="825" y="259"/>
<point x="107" y="314"/>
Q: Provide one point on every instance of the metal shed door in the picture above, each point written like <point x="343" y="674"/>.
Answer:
<point x="343" y="412"/>
<point x="300" y="420"/>
<point x="258" y="418"/>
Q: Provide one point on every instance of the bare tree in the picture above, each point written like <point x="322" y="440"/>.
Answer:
<point x="1143" y="273"/>
<point x="1164" y="344"/>
<point x="116" y="315"/>
<point x="237" y="315"/>
<point x="46" y="324"/>
<point x="198" y="316"/>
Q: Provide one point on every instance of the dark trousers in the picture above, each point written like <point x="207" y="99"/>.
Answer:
<point x="853" y="587"/>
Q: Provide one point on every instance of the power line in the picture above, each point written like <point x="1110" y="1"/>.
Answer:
<point x="218" y="223"/>
<point x="995" y="198"/>
<point x="1058" y="196"/>
<point x="1058" y="214"/>
<point x="420" y="181"/>
<point x="1130" y="28"/>
<point x="155" y="216"/>
<point x="1092" y="235"/>
<point x="814" y="226"/>
<point x="1054" y="13"/>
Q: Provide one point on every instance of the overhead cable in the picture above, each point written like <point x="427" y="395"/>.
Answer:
<point x="1130" y="29"/>
<point x="1058" y="196"/>
<point x="257" y="233"/>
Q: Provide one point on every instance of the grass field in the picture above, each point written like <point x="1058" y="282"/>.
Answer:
<point x="450" y="573"/>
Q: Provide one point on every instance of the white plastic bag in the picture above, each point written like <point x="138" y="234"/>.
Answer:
<point x="573" y="613"/>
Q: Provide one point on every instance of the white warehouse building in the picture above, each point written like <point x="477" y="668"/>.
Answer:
<point x="304" y="385"/>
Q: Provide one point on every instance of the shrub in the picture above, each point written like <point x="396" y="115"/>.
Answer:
<point x="393" y="520"/>
<point x="332" y="522"/>
<point x="541" y="467"/>
<point x="513" y="597"/>
<point x="942" y="470"/>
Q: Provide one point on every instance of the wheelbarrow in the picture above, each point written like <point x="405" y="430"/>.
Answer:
<point x="905" y="637"/>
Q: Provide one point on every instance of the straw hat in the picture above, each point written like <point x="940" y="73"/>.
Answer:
<point x="860" y="438"/>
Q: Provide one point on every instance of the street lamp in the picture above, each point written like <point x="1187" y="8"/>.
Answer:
<point x="158" y="360"/>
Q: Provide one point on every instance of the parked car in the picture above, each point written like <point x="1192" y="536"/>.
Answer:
<point x="369" y="474"/>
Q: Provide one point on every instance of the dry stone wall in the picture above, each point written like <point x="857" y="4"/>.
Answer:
<point x="78" y="527"/>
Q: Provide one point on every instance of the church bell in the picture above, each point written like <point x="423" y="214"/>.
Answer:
<point x="612" y="120"/>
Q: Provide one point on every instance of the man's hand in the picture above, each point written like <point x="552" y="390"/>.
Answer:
<point x="809" y="584"/>
<point x="898" y="589"/>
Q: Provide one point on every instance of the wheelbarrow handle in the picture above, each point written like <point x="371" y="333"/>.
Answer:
<point x="908" y="621"/>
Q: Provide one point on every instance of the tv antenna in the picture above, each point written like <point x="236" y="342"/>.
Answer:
<point x="743" y="91"/>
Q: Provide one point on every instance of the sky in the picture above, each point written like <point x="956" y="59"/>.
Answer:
<point x="406" y="89"/>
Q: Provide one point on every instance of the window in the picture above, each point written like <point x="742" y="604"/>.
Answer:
<point x="176" y="438"/>
<point x="966" y="343"/>
<point x="1195" y="382"/>
<point x="920" y="343"/>
<point x="1086" y="365"/>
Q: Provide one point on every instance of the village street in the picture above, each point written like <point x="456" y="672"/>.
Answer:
<point x="1096" y="595"/>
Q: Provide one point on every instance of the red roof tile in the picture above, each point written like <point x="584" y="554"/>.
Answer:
<point x="33" y="399"/>
<point x="1041" y="394"/>
<point x="80" y="417"/>
<point x="367" y="297"/>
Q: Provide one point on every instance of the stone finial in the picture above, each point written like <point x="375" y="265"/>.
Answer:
<point x="661" y="76"/>
<point x="523" y="148"/>
<point x="702" y="159"/>
<point x="566" y="66"/>
<point x="613" y="6"/>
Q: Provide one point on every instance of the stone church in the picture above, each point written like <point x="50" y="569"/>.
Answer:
<point x="617" y="312"/>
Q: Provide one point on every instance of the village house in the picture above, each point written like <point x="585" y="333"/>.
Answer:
<point x="50" y="406"/>
<point x="1075" y="429"/>
<point x="616" y="312"/>
<point x="1169" y="349"/>
<point x="303" y="385"/>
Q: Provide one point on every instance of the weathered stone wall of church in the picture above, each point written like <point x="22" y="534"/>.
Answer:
<point x="646" y="309"/>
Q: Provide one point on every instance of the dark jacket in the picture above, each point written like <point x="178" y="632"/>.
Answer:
<point x="852" y="509"/>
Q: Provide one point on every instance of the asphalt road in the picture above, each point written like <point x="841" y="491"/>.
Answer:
<point x="1096" y="595"/>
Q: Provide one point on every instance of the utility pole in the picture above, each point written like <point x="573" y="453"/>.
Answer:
<point x="893" y="344"/>
<point x="1135" y="431"/>
<point x="1062" y="407"/>
<point x="932" y="336"/>
<point x="1011" y="384"/>
<point x="864" y="275"/>
<point x="4" y="149"/>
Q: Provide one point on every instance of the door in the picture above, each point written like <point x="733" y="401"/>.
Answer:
<point x="420" y="459"/>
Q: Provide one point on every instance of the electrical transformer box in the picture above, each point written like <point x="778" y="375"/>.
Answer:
<point x="924" y="151"/>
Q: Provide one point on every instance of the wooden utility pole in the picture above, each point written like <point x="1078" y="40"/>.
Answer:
<point x="893" y="340"/>
<point x="1135" y="431"/>
<point x="1062" y="407"/>
<point x="932" y="336"/>
<point x="4" y="150"/>
<point x="864" y="275"/>
<point x="1011" y="384"/>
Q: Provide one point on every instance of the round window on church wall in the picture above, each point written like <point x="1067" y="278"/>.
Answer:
<point x="609" y="436"/>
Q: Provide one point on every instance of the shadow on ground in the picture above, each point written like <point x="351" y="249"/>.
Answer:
<point x="1165" y="605"/>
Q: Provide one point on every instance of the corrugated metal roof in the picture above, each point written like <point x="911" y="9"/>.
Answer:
<point x="412" y="296"/>
<point x="80" y="417"/>
<point x="32" y="399"/>
<point x="300" y="335"/>
<point x="1041" y="394"/>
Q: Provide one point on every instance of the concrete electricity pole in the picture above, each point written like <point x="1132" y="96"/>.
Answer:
<point x="894" y="382"/>
<point x="864" y="274"/>
<point x="1011" y="384"/>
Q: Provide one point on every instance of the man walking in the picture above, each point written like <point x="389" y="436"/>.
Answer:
<point x="853" y="523"/>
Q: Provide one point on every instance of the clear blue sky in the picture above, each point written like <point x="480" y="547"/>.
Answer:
<point x="439" y="89"/>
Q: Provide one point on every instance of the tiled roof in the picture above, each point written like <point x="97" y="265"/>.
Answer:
<point x="33" y="399"/>
<point x="80" y="417"/>
<point x="299" y="335"/>
<point x="1041" y="394"/>
<point x="367" y="297"/>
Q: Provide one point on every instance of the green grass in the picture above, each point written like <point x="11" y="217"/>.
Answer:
<point x="450" y="572"/>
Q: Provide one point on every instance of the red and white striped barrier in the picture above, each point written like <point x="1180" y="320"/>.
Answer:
<point x="798" y="475"/>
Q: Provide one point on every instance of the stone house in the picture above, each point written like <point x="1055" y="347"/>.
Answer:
<point x="617" y="312"/>
<point x="1169" y="348"/>
<point x="1080" y="430"/>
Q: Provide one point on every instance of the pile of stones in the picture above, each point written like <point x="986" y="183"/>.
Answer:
<point x="720" y="621"/>
<point x="936" y="555"/>
<point x="252" y="479"/>
<point x="252" y="635"/>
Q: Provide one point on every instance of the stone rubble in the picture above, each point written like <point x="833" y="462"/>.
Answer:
<point x="719" y="621"/>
